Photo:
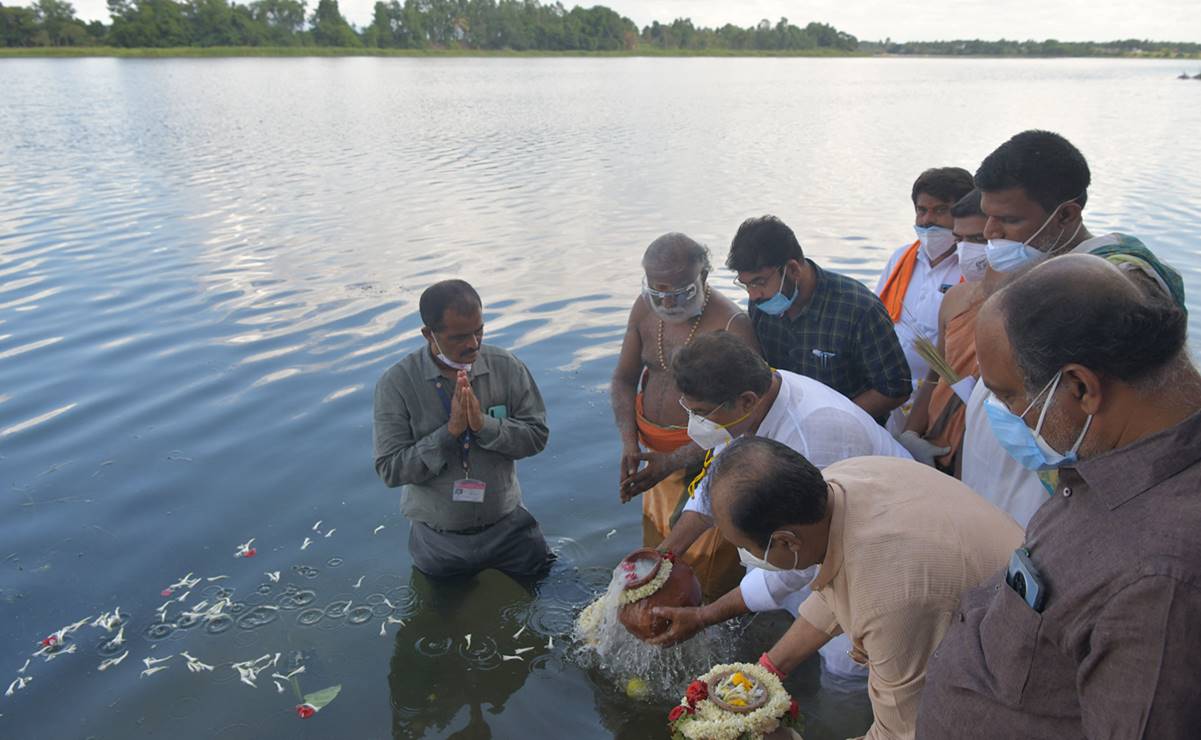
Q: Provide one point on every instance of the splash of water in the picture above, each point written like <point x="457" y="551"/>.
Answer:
<point x="644" y="671"/>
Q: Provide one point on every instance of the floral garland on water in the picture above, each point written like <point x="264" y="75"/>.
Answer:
<point x="698" y="718"/>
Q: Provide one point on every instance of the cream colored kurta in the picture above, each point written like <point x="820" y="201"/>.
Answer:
<point x="905" y="542"/>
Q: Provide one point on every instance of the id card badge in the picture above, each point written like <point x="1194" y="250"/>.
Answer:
<point x="468" y="491"/>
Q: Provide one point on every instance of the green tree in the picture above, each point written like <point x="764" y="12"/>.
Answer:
<point x="151" y="23"/>
<point x="330" y="28"/>
<point x="18" y="26"/>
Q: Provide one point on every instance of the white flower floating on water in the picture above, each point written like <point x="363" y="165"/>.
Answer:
<point x="520" y="651"/>
<point x="317" y="526"/>
<point x="187" y="582"/>
<point x="306" y="544"/>
<point x="246" y="549"/>
<point x="278" y="687"/>
<point x="151" y="662"/>
<point x="108" y="620"/>
<point x="109" y="663"/>
<point x="210" y="579"/>
<point x="152" y="671"/>
<point x="505" y="658"/>
<point x="468" y="639"/>
<point x="249" y="670"/>
<point x="184" y="596"/>
<point x="65" y="651"/>
<point x="273" y="575"/>
<point x="358" y="582"/>
<point x="117" y="641"/>
<point x="550" y="643"/>
<point x="610" y="533"/>
<point x="519" y="632"/>
<point x="288" y="677"/>
<point x="327" y="534"/>
<point x="20" y="683"/>
<point x="377" y="529"/>
<point x="194" y="665"/>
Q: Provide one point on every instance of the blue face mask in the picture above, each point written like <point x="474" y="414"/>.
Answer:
<point x="1025" y="445"/>
<point x="1006" y="255"/>
<point x="779" y="303"/>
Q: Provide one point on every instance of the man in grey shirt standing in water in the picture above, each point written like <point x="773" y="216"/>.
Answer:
<point x="450" y="419"/>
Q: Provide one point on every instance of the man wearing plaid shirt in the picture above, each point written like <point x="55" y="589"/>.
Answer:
<point x="818" y="323"/>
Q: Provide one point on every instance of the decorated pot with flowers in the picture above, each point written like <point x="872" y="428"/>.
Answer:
<point x="651" y="578"/>
<point x="741" y="701"/>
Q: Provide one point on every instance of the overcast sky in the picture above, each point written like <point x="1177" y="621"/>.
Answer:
<point x="1067" y="20"/>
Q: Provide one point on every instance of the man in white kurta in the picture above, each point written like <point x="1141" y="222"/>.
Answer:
<point x="813" y="419"/>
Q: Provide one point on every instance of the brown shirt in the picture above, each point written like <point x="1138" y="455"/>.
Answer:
<point x="1116" y="651"/>
<point x="905" y="542"/>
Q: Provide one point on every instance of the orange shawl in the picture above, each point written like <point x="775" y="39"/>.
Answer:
<point x="657" y="438"/>
<point x="893" y="292"/>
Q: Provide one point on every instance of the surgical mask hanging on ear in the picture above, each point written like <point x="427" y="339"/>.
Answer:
<point x="1006" y="255"/>
<point x="779" y="303"/>
<point x="1026" y="446"/>
<point x="750" y="561"/>
<point x="973" y="261"/>
<point x="464" y="366"/>
<point x="935" y="240"/>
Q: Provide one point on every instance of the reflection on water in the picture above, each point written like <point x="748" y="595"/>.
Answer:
<point x="205" y="265"/>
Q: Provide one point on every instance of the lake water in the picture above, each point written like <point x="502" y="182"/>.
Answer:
<point x="205" y="265"/>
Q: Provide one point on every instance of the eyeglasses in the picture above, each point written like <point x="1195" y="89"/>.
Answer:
<point x="703" y="416"/>
<point x="761" y="282"/>
<point x="679" y="295"/>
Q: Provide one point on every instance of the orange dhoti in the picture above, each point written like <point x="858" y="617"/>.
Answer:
<point x="714" y="560"/>
<point x="948" y="415"/>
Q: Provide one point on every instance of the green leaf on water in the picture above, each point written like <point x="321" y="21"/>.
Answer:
<point x="319" y="699"/>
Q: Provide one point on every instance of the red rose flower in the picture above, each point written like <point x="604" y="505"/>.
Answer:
<point x="678" y="711"/>
<point x="304" y="711"/>
<point x="669" y="556"/>
<point x="793" y="710"/>
<point x="249" y="553"/>
<point x="166" y="592"/>
<point x="697" y="691"/>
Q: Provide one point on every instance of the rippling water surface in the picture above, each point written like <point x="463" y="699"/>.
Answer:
<point x="206" y="264"/>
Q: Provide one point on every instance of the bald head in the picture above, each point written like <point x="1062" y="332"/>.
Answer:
<point x="758" y="485"/>
<point x="1083" y="309"/>
<point x="676" y="252"/>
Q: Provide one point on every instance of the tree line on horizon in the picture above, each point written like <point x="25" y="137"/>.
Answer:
<point x="519" y="25"/>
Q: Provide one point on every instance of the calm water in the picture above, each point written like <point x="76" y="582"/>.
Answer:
<point x="205" y="266"/>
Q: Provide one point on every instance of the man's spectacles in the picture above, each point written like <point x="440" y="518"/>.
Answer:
<point x="706" y="415"/>
<point x="760" y="283"/>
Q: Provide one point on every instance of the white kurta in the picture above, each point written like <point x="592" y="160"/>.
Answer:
<point x="824" y="426"/>
<point x="991" y="472"/>
<point x="919" y="315"/>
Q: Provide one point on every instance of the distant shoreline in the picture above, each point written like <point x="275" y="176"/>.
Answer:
<point x="326" y="51"/>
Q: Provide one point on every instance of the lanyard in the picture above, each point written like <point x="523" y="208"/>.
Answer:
<point x="465" y="439"/>
<point x="701" y="475"/>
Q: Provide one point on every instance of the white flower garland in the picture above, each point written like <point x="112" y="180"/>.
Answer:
<point x="590" y="619"/>
<point x="629" y="596"/>
<point x="711" y="722"/>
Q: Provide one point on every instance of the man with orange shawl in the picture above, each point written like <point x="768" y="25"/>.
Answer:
<point x="676" y="305"/>
<point x="917" y="277"/>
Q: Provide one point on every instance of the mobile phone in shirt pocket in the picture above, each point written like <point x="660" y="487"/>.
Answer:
<point x="1009" y="635"/>
<point x="500" y="411"/>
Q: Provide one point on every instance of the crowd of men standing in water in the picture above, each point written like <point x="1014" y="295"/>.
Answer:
<point x="975" y="489"/>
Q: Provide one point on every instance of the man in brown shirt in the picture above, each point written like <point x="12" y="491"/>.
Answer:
<point x="1092" y="366"/>
<point x="898" y="543"/>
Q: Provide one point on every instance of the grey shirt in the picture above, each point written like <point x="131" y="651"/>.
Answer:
<point x="1116" y="649"/>
<point x="414" y="448"/>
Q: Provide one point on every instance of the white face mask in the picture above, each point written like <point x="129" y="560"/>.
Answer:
<point x="935" y="240"/>
<point x="750" y="561"/>
<point x="464" y="366"/>
<point x="709" y="434"/>
<point x="973" y="261"/>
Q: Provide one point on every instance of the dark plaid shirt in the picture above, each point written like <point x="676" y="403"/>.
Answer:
<point x="843" y="338"/>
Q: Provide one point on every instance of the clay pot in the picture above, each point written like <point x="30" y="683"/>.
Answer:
<point x="681" y="589"/>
